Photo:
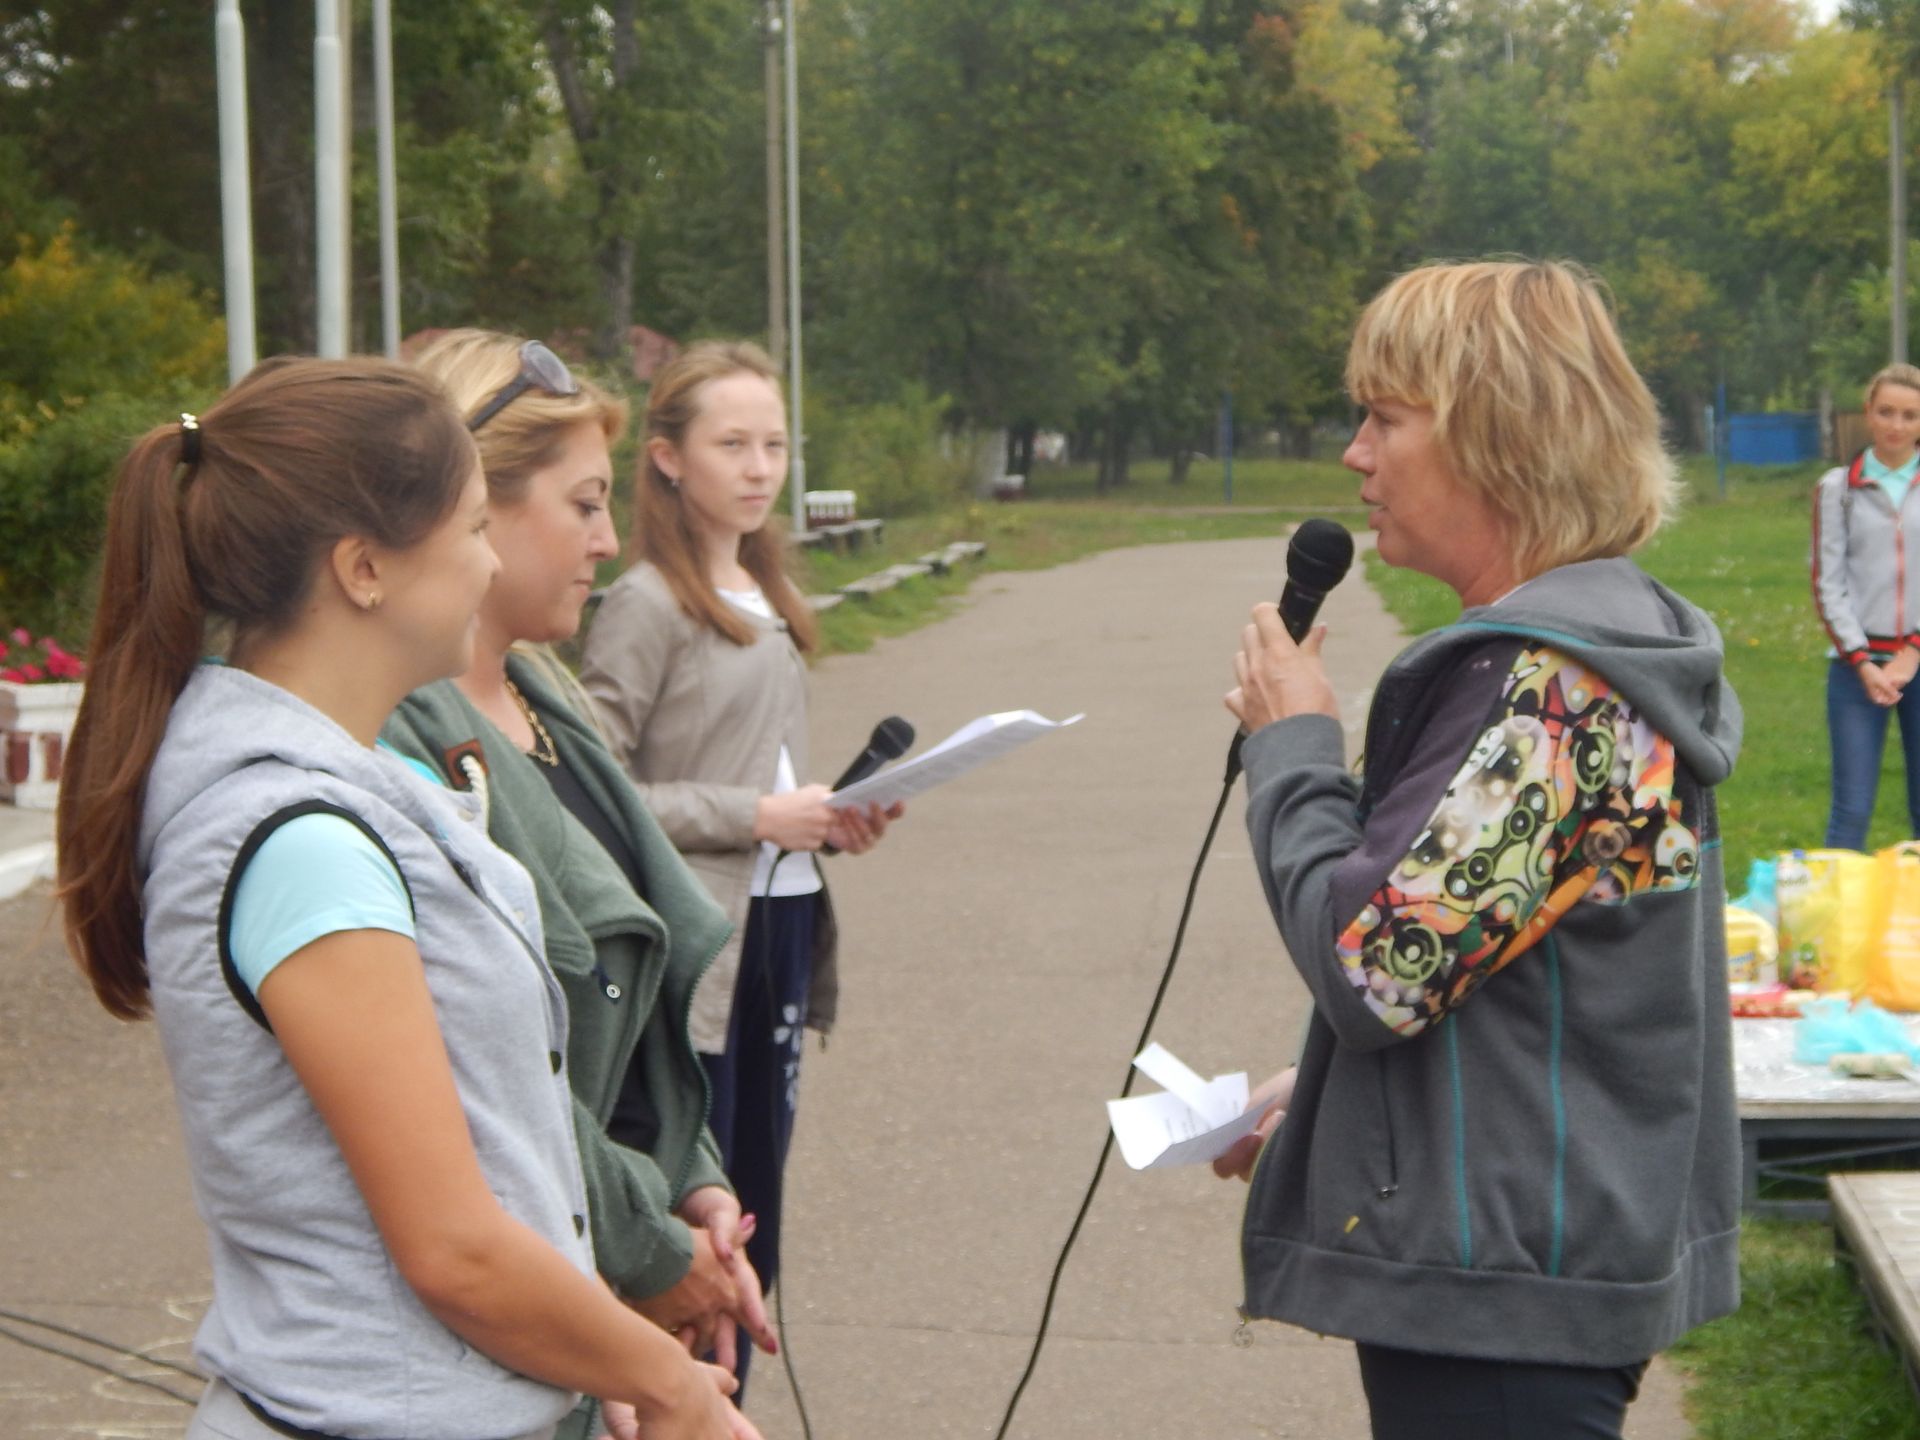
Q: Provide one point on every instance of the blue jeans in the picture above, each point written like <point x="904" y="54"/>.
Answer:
<point x="1857" y="732"/>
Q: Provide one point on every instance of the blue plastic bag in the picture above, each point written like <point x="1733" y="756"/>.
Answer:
<point x="1760" y="897"/>
<point x="1829" y="1026"/>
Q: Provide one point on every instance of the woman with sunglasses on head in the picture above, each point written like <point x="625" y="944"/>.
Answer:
<point x="629" y="929"/>
<point x="365" y="1044"/>
<point x="695" y="666"/>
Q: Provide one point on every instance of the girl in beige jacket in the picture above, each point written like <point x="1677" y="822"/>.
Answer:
<point x="695" y="667"/>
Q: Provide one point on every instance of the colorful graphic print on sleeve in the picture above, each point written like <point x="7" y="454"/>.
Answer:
<point x="1567" y="797"/>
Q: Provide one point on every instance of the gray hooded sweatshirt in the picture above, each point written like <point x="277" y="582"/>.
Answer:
<point x="1513" y="1134"/>
<point x="310" y="1318"/>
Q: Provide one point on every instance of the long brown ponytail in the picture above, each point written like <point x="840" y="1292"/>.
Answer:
<point x="226" y="520"/>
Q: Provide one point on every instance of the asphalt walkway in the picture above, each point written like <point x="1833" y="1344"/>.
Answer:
<point x="1000" y="952"/>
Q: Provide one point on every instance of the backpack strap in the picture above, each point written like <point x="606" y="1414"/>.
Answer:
<point x="261" y="833"/>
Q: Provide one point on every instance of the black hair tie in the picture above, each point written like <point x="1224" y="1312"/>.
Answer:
<point x="189" y="439"/>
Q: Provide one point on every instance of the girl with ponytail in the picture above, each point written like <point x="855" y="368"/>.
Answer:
<point x="367" y="1047"/>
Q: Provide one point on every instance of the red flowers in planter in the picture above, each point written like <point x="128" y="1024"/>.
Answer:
<point x="27" y="661"/>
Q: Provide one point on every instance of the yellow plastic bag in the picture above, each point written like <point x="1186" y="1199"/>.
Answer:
<point x="1753" y="952"/>
<point x="1830" y="918"/>
<point x="1893" y="975"/>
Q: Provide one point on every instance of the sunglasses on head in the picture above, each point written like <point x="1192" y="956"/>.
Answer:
<point x="540" y="369"/>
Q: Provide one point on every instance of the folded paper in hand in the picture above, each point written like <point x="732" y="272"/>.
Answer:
<point x="1191" y="1121"/>
<point x="974" y="743"/>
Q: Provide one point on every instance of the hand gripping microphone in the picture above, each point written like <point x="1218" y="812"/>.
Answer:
<point x="889" y="741"/>
<point x="1318" y="558"/>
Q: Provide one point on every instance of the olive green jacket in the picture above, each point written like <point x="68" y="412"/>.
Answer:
<point x="629" y="964"/>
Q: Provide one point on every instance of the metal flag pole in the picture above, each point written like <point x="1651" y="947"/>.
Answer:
<point x="236" y="190"/>
<point x="389" y="186"/>
<point x="797" y="476"/>
<point x="329" y="172"/>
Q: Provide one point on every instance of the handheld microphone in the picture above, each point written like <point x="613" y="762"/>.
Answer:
<point x="889" y="741"/>
<point x="1318" y="558"/>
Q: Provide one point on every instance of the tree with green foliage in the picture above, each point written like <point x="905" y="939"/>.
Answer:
<point x="636" y="91"/>
<point x="93" y="350"/>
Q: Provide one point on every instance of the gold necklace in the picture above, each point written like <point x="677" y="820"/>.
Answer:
<point x="543" y="748"/>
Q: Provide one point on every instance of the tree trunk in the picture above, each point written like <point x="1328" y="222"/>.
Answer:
<point x="1020" y="450"/>
<point x="280" y="79"/>
<point x="1182" y="462"/>
<point x="1115" y="453"/>
<point x="611" y="336"/>
<point x="606" y="154"/>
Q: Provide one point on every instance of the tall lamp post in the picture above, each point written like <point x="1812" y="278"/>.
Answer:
<point x="1897" y="188"/>
<point x="389" y="188"/>
<point x="329" y="182"/>
<point x="771" y="29"/>
<point x="798" y="451"/>
<point x="236" y="193"/>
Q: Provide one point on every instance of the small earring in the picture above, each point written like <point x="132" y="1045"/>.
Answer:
<point x="373" y="600"/>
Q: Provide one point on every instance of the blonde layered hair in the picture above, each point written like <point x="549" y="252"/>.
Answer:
<point x="521" y="438"/>
<point x="1900" y="374"/>
<point x="663" y="531"/>
<point x="1537" y="408"/>
<point x="473" y="366"/>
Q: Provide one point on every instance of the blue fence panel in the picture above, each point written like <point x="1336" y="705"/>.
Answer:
<point x="1776" y="439"/>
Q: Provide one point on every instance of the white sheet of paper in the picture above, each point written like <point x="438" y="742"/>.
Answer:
<point x="972" y="745"/>
<point x="1190" y="1122"/>
<point x="1203" y="1097"/>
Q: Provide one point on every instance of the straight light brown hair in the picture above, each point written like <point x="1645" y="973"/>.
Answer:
<point x="662" y="530"/>
<point x="298" y="456"/>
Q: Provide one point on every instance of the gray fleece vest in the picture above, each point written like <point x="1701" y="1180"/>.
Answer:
<point x="310" y="1317"/>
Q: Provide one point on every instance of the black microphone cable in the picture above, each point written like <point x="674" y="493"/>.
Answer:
<point x="1318" y="557"/>
<point x="1126" y="1089"/>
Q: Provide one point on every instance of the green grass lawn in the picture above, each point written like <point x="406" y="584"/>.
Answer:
<point x="1796" y="1362"/>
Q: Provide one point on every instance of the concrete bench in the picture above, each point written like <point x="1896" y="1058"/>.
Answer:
<point x="934" y="562"/>
<point x="850" y="535"/>
<point x="847" y="536"/>
<point x="942" y="560"/>
<point x="869" y="586"/>
<point x="1876" y="1229"/>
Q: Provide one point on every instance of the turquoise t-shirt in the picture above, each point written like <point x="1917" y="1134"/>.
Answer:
<point x="316" y="875"/>
<point x="1895" y="482"/>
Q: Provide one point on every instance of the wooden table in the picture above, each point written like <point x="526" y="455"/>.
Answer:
<point x="1876" y="1227"/>
<point x="1799" y="1121"/>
